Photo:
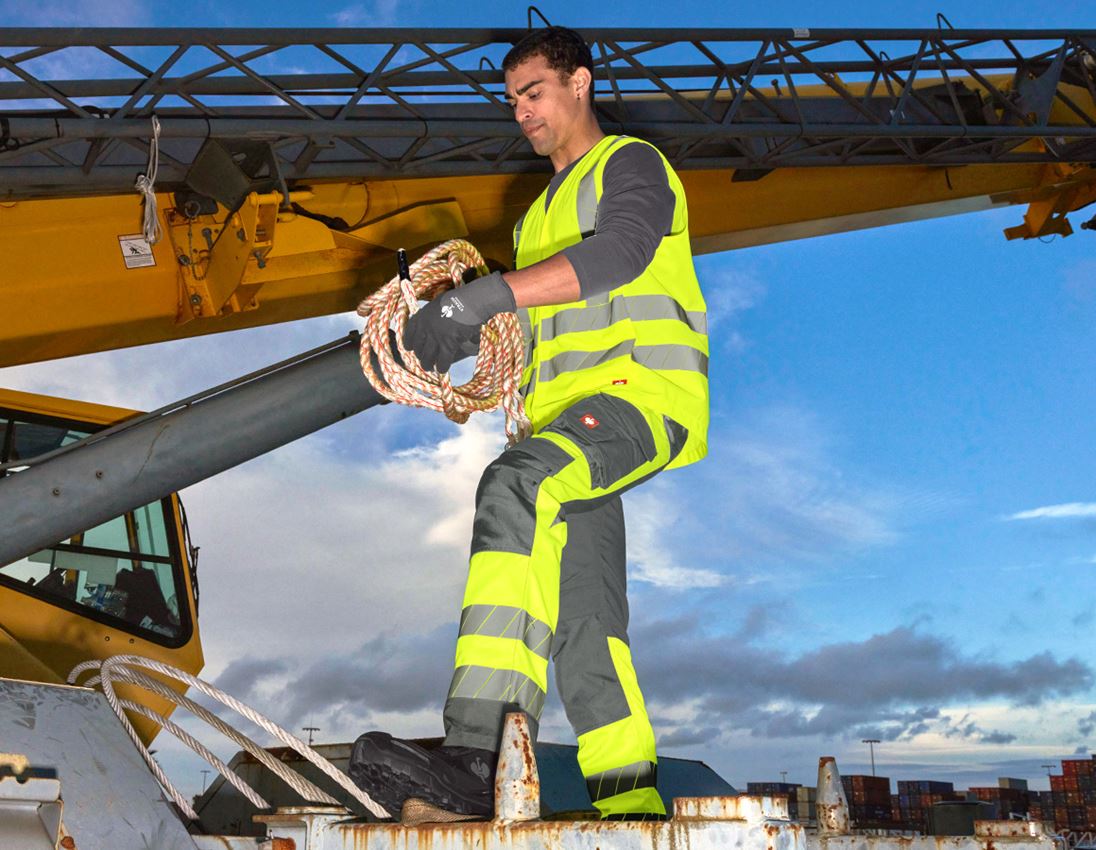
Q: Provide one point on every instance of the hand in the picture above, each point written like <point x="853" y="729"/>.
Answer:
<point x="448" y="328"/>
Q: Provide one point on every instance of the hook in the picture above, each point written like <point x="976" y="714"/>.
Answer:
<point x="539" y="15"/>
<point x="490" y="64"/>
<point x="942" y="19"/>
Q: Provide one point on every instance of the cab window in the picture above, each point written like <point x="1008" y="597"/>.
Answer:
<point x="126" y="572"/>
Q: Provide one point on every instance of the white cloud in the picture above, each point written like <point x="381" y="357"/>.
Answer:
<point x="380" y="13"/>
<point x="653" y="558"/>
<point x="63" y="13"/>
<point x="363" y="545"/>
<point x="1069" y="510"/>
<point x="728" y="293"/>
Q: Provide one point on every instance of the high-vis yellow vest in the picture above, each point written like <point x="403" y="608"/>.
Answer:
<point x="645" y="341"/>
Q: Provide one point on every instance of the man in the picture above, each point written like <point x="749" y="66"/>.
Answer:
<point x="615" y="385"/>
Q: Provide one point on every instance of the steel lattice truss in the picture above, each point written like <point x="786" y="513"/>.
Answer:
<point x="76" y="105"/>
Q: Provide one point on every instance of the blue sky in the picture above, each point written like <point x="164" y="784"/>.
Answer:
<point x="872" y="549"/>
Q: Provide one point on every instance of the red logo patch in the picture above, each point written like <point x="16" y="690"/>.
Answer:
<point x="589" y="421"/>
<point x="619" y="381"/>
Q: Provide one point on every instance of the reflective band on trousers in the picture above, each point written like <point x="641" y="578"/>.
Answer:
<point x="638" y="308"/>
<point x="652" y="356"/>
<point x="506" y="621"/>
<point x="609" y="783"/>
<point x="474" y="682"/>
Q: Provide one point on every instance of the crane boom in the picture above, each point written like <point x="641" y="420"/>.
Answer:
<point x="292" y="162"/>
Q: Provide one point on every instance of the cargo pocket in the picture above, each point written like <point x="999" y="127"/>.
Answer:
<point x="612" y="434"/>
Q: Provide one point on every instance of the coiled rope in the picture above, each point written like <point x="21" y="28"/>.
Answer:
<point x="497" y="374"/>
<point x="127" y="669"/>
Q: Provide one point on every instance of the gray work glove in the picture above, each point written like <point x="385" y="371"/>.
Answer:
<point x="447" y="329"/>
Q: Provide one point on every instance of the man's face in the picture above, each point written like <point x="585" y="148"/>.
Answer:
<point x="547" y="108"/>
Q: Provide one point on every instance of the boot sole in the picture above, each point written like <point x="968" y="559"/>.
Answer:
<point x="392" y="773"/>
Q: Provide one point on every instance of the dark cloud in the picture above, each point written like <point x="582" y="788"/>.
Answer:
<point x="687" y="736"/>
<point x="891" y="686"/>
<point x="1087" y="725"/>
<point x="387" y="673"/>
<point x="887" y="686"/>
<point x="756" y="624"/>
<point x="998" y="738"/>
<point x="242" y="677"/>
<point x="1085" y="617"/>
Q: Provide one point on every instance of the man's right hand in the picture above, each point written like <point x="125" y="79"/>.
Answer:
<point x="448" y="328"/>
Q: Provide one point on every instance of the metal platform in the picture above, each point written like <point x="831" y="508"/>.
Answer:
<point x="111" y="800"/>
<point x="347" y="103"/>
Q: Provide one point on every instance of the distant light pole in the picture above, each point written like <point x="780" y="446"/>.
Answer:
<point x="1048" y="768"/>
<point x="310" y="730"/>
<point x="784" y="776"/>
<point x="205" y="778"/>
<point x="871" y="742"/>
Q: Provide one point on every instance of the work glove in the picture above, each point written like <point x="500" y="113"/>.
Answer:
<point x="447" y="329"/>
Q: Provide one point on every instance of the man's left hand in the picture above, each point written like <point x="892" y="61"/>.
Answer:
<point x="448" y="328"/>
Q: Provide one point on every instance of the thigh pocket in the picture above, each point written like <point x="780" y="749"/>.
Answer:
<point x="612" y="434"/>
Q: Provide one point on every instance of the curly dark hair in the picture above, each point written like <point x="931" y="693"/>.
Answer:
<point x="564" y="50"/>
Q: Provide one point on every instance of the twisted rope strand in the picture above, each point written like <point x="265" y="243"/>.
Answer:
<point x="497" y="373"/>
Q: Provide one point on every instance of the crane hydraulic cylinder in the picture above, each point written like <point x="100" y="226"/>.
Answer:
<point x="145" y="459"/>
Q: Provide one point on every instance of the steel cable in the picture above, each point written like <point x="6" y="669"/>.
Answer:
<point x="116" y="669"/>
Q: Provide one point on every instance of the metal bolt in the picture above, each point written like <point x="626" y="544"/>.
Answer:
<point x="184" y="260"/>
<point x="259" y="258"/>
<point x="241" y="235"/>
<point x="98" y="473"/>
<point x="196" y="299"/>
<point x="56" y="491"/>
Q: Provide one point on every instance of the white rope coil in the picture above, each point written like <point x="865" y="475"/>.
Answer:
<point x="121" y="668"/>
<point x="146" y="185"/>
<point x="497" y="374"/>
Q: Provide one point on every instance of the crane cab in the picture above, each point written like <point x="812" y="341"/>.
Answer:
<point x="126" y="586"/>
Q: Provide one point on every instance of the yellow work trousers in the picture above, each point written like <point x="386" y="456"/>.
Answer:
<point x="547" y="580"/>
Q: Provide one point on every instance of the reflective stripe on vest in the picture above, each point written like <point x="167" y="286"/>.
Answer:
<point x="638" y="308"/>
<point x="652" y="356"/>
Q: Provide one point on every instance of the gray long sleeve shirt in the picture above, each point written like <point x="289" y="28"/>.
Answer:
<point x="635" y="211"/>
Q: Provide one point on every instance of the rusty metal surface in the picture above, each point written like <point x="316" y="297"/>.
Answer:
<point x="717" y="823"/>
<point x="238" y="842"/>
<point x="741" y="822"/>
<point x="831" y="806"/>
<point x="517" y="781"/>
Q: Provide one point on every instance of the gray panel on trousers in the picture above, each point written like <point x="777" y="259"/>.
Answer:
<point x="593" y="605"/>
<point x="617" y="444"/>
<point x="507" y="496"/>
<point x="111" y="798"/>
<point x="478" y="722"/>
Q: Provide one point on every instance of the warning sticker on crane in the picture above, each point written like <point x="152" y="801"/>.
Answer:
<point x="136" y="252"/>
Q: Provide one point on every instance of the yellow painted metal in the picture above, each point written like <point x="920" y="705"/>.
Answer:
<point x="43" y="642"/>
<point x="66" y="288"/>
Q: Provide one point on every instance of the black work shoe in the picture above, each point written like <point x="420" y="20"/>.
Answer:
<point x="460" y="780"/>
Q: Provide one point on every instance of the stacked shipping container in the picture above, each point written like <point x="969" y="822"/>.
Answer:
<point x="1070" y="805"/>
<point x="915" y="798"/>
<point x="785" y="790"/>
<point x="869" y="800"/>
<point x="1073" y="796"/>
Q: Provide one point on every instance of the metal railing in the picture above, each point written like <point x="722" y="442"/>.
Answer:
<point x="75" y="105"/>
